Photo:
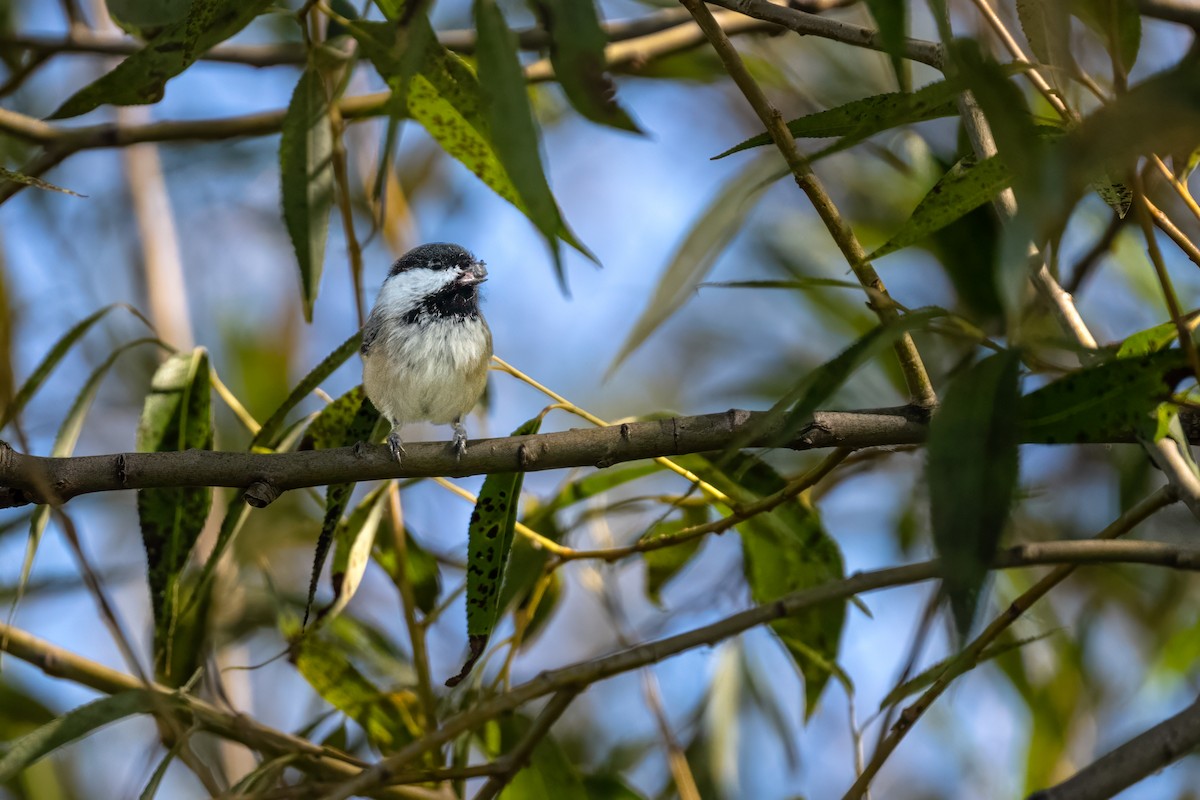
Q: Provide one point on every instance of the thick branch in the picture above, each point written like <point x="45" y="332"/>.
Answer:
<point x="1133" y="761"/>
<point x="35" y="479"/>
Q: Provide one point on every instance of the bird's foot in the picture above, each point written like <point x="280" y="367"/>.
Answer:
<point x="459" y="443"/>
<point x="395" y="446"/>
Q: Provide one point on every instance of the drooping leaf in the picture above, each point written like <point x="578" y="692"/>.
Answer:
<point x="73" y="725"/>
<point x="972" y="474"/>
<point x="860" y="119"/>
<point x="1151" y="340"/>
<point x="664" y="563"/>
<point x="390" y="719"/>
<point x="142" y="77"/>
<point x="1118" y="23"/>
<point x="266" y="436"/>
<point x="1115" y="194"/>
<point x="348" y="420"/>
<point x="891" y="18"/>
<point x="352" y="550"/>
<point x="1102" y="402"/>
<point x="489" y="541"/>
<point x="306" y="174"/>
<point x="968" y="185"/>
<point x="577" y="53"/>
<point x="176" y="416"/>
<point x="510" y="118"/>
<point x="785" y="550"/>
<point x="708" y="237"/>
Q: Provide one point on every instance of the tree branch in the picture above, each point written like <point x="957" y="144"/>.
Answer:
<point x="1138" y="758"/>
<point x="581" y="675"/>
<point x="35" y="479"/>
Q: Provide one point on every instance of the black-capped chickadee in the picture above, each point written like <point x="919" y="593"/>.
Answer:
<point x="426" y="346"/>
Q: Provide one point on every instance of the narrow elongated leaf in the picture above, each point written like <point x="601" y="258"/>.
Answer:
<point x="891" y="17"/>
<point x="785" y="550"/>
<point x="577" y="53"/>
<point x="73" y="725"/>
<point x="1118" y="23"/>
<point x="972" y="473"/>
<point x="550" y="773"/>
<point x="306" y="172"/>
<point x="37" y="183"/>
<point x="514" y="132"/>
<point x="348" y="420"/>
<point x="176" y="416"/>
<point x="146" y="18"/>
<point x="665" y="563"/>
<point x="860" y="119"/>
<point x="142" y="77"/>
<point x="587" y="487"/>
<point x="390" y="719"/>
<point x="489" y="541"/>
<point x="710" y="234"/>
<point x="419" y="566"/>
<point x="968" y="185"/>
<point x="60" y="349"/>
<point x="266" y="436"/>
<point x="352" y="550"/>
<point x="1047" y="26"/>
<point x="1102" y="402"/>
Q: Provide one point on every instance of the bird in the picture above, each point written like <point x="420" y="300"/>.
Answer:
<point x="426" y="346"/>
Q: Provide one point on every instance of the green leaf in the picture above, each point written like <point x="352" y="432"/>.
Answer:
<point x="1102" y="402"/>
<point x="266" y="436"/>
<point x="352" y="550"/>
<point x="968" y="185"/>
<point x="710" y="234"/>
<point x="860" y="119"/>
<point x="176" y="416"/>
<point x="549" y="773"/>
<point x="1047" y="26"/>
<point x="785" y="550"/>
<point x="577" y="54"/>
<point x="891" y="17"/>
<point x="514" y="132"/>
<point x="1118" y="24"/>
<point x="609" y="787"/>
<point x="348" y="420"/>
<point x="587" y="487"/>
<point x="42" y="371"/>
<point x="146" y="18"/>
<point x="419" y="565"/>
<point x="390" y="719"/>
<point x="489" y="541"/>
<point x="37" y="183"/>
<point x="665" y="563"/>
<point x="306" y="173"/>
<point x="972" y="474"/>
<point x="142" y="77"/>
<point x="1151" y="340"/>
<point x="73" y="725"/>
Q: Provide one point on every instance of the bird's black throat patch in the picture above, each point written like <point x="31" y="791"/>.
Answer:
<point x="453" y="301"/>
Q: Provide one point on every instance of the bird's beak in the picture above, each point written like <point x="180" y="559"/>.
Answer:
<point x="475" y="275"/>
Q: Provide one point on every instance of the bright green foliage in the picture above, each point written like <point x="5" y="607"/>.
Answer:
<point x="489" y="541"/>
<point x="346" y="421"/>
<point x="306" y="171"/>
<point x="577" y="54"/>
<point x="785" y="550"/>
<point x="972" y="475"/>
<point x="390" y="719"/>
<point x="176" y="416"/>
<point x="142" y="78"/>
<point x="74" y="725"/>
<point x="1103" y="402"/>
<point x="549" y="772"/>
<point x="860" y="119"/>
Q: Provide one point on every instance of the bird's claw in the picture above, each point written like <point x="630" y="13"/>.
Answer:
<point x="395" y="447"/>
<point x="459" y="445"/>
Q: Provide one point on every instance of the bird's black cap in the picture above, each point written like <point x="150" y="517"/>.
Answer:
<point x="439" y="255"/>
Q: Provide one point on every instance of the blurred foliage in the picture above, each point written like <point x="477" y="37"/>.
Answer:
<point x="723" y="285"/>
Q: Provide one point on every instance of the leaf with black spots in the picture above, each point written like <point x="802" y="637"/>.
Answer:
<point x="489" y="541"/>
<point x="176" y="416"/>
<point x="1103" y="402"/>
<point x="972" y="474"/>
<point x="353" y="543"/>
